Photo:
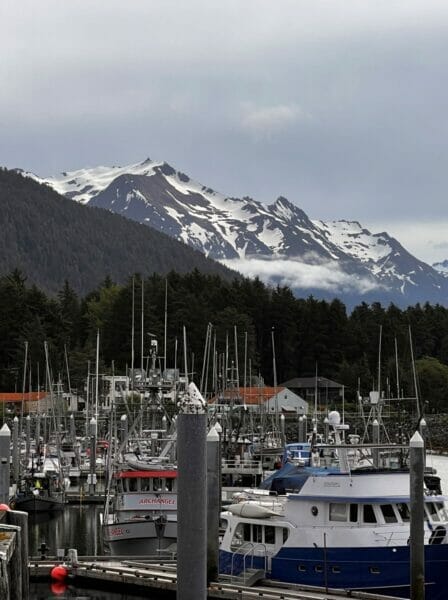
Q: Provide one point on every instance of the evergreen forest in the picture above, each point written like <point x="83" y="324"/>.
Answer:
<point x="310" y="335"/>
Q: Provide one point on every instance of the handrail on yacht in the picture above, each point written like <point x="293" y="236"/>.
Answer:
<point x="250" y="551"/>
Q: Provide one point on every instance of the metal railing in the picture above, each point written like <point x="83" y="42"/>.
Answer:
<point x="247" y="550"/>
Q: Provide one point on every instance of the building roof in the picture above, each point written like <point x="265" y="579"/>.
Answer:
<point x="310" y="382"/>
<point x="19" y="397"/>
<point x="249" y="395"/>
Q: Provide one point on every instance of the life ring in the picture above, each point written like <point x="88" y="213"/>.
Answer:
<point x="438" y="535"/>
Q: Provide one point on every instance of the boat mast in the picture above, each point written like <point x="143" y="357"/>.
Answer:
<point x="133" y="333"/>
<point x="274" y="371"/>
<point x="165" y="334"/>
<point x="142" y="326"/>
<point x="97" y="373"/>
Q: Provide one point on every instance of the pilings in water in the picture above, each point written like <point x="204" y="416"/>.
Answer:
<point x="192" y="500"/>
<point x="15" y="450"/>
<point x="213" y="503"/>
<point x="417" y="531"/>
<point x="14" y="577"/>
<point x="5" y="460"/>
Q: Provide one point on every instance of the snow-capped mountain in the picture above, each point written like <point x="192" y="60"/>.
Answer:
<point x="278" y="242"/>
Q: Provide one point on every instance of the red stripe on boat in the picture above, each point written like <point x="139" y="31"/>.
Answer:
<point x="146" y="474"/>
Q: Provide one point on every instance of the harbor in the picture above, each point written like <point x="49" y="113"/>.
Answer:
<point x="79" y="526"/>
<point x="194" y="485"/>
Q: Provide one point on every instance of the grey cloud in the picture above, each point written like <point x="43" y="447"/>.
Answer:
<point x="340" y="106"/>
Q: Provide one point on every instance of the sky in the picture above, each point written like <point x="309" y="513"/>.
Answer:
<point x="341" y="106"/>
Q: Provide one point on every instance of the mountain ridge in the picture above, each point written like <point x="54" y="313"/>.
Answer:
<point x="52" y="239"/>
<point x="244" y="233"/>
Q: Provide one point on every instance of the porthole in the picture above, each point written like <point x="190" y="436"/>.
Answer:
<point x="374" y="571"/>
<point x="318" y="569"/>
<point x="336" y="570"/>
<point x="301" y="569"/>
<point x="314" y="511"/>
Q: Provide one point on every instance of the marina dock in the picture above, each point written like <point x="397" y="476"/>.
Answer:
<point x="162" y="576"/>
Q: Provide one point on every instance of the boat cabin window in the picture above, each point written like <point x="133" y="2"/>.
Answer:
<point x="353" y="513"/>
<point x="338" y="511"/>
<point x="157" y="484"/>
<point x="403" y="511"/>
<point x="436" y="511"/>
<point x="388" y="513"/>
<point x="269" y="534"/>
<point x="442" y="511"/>
<point x="368" y="514"/>
<point x="145" y="484"/>
<point x="257" y="534"/>
<point x="133" y="484"/>
<point x="169" y="484"/>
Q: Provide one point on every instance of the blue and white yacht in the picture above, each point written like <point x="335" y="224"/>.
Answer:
<point x="346" y="529"/>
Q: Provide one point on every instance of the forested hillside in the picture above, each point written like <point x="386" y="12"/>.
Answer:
<point x="308" y="332"/>
<point x="51" y="239"/>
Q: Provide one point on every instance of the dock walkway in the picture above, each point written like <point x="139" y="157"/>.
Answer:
<point x="163" y="576"/>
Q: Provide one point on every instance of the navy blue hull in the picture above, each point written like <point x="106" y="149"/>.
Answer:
<point x="383" y="570"/>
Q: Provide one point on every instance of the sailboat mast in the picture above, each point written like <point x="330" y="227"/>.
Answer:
<point x="274" y="370"/>
<point x="142" y="326"/>
<point x="419" y="411"/>
<point x="133" y="333"/>
<point x="165" y="334"/>
<point x="97" y="373"/>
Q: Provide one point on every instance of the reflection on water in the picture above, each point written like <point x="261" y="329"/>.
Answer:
<point x="46" y="591"/>
<point x="75" y="527"/>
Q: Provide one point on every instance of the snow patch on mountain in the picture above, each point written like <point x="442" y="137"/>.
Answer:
<point x="441" y="267"/>
<point x="355" y="240"/>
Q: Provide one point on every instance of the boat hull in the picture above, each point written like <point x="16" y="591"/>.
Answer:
<point x="37" y="504"/>
<point x="384" y="570"/>
<point x="139" y="538"/>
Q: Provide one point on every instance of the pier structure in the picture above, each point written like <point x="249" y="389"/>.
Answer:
<point x="162" y="576"/>
<point x="14" y="573"/>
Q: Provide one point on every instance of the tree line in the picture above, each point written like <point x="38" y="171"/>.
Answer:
<point x="310" y="334"/>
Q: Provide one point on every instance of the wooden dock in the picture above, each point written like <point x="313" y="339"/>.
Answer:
<point x="162" y="576"/>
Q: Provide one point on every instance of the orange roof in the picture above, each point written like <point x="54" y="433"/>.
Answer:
<point x="248" y="395"/>
<point x="18" y="396"/>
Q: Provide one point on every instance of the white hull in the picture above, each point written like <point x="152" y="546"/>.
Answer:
<point x="140" y="538"/>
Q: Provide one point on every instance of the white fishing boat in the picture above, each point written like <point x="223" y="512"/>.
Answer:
<point x="143" y="515"/>
<point x="140" y="516"/>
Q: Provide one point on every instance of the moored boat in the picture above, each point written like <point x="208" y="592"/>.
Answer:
<point x="342" y="530"/>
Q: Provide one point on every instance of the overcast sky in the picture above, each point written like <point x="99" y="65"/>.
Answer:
<point x="341" y="106"/>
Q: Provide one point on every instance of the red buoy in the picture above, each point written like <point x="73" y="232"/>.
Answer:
<point x="4" y="507"/>
<point x="59" y="573"/>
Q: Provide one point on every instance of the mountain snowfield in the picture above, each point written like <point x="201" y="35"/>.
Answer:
<point x="279" y="242"/>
